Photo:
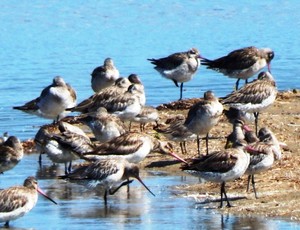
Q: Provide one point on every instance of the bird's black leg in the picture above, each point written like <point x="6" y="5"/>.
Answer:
<point x="121" y="185"/>
<point x="225" y="195"/>
<point x="207" y="144"/>
<point x="181" y="147"/>
<point x="248" y="184"/>
<point x="256" y="120"/>
<point x="221" y="203"/>
<point x="181" y="87"/>
<point x="66" y="169"/>
<point x="184" y="147"/>
<point x="6" y="225"/>
<point x="237" y="84"/>
<point x="40" y="160"/>
<point x="70" y="167"/>
<point x="198" y="144"/>
<point x="105" y="197"/>
<point x="253" y="185"/>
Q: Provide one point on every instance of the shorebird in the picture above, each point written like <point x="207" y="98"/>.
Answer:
<point x="132" y="146"/>
<point x="63" y="143"/>
<point x="220" y="166"/>
<point x="105" y="126"/>
<point x="203" y="116"/>
<point x="148" y="114"/>
<point x="16" y="201"/>
<point x="177" y="131"/>
<point x="237" y="133"/>
<point x="125" y="105"/>
<point x="242" y="63"/>
<point x="233" y="114"/>
<point x="100" y="99"/>
<point x="263" y="153"/>
<point x="255" y="96"/>
<point x="53" y="101"/>
<point x="11" y="152"/>
<point x="104" y="76"/>
<point x="112" y="173"/>
<point x="178" y="67"/>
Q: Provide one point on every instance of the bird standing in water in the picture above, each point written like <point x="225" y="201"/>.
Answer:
<point x="16" y="201"/>
<point x="178" y="67"/>
<point x="53" y="101"/>
<point x="112" y="173"/>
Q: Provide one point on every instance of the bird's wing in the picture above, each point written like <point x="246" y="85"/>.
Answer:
<point x="11" y="199"/>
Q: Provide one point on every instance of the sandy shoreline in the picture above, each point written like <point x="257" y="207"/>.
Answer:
<point x="278" y="189"/>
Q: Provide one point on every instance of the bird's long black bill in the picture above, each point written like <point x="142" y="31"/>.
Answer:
<point x="45" y="195"/>
<point x="140" y="180"/>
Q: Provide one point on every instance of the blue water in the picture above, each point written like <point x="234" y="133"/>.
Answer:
<point x="42" y="39"/>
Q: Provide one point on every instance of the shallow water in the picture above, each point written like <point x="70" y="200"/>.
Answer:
<point x="82" y="207"/>
<point x="70" y="38"/>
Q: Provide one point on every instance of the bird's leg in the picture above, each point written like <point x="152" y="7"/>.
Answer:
<point x="181" y="87"/>
<point x="221" y="204"/>
<point x="182" y="147"/>
<point x="6" y="225"/>
<point x="246" y="81"/>
<point x="253" y="185"/>
<point x="198" y="144"/>
<point x="248" y="183"/>
<point x="40" y="160"/>
<point x="225" y="195"/>
<point x="121" y="185"/>
<point x="207" y="144"/>
<point x="70" y="167"/>
<point x="256" y="120"/>
<point x="105" y="197"/>
<point x="175" y="82"/>
<point x="128" y="188"/>
<point x="237" y="84"/>
<point x="66" y="169"/>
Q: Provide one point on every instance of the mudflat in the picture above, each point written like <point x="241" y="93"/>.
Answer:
<point x="278" y="189"/>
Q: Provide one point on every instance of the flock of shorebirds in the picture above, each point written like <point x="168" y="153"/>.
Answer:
<point x="111" y="155"/>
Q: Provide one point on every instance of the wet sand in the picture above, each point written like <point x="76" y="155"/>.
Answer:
<point x="277" y="189"/>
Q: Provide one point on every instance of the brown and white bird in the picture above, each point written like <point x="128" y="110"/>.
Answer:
<point x="148" y="114"/>
<point x="11" y="153"/>
<point x="263" y="153"/>
<point x="238" y="133"/>
<point x="220" y="166"/>
<point x="178" y="67"/>
<point x="132" y="146"/>
<point x="111" y="173"/>
<point x="255" y="96"/>
<point x="104" y="76"/>
<point x="63" y="143"/>
<point x="16" y="201"/>
<point x="105" y="126"/>
<point x="104" y="97"/>
<point x="203" y="116"/>
<point x="242" y="63"/>
<point x="233" y="114"/>
<point x="53" y="101"/>
<point x="176" y="131"/>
